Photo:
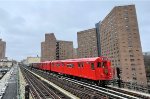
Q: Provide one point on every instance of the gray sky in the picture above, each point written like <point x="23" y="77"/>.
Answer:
<point x="23" y="23"/>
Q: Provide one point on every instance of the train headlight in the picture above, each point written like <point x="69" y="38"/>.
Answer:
<point x="105" y="71"/>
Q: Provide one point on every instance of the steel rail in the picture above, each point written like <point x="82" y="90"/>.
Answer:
<point x="38" y="85"/>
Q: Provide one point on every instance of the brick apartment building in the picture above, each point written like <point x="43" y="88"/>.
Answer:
<point x="87" y="43"/>
<point x="2" y="49"/>
<point x="75" y="55"/>
<point x="117" y="37"/>
<point x="147" y="65"/>
<point x="52" y="49"/>
<point x="48" y="48"/>
<point x="64" y="50"/>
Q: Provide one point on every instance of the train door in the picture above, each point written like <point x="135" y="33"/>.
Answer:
<point x="99" y="70"/>
<point x="92" y="70"/>
<point x="48" y="66"/>
<point x="80" y="69"/>
<point x="62" y="67"/>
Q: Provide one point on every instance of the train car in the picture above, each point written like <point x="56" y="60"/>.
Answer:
<point x="97" y="68"/>
<point x="35" y="65"/>
<point x="40" y="66"/>
<point x="57" y="66"/>
<point x="70" y="67"/>
<point x="46" y="66"/>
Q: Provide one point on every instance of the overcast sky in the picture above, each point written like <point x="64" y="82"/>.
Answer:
<point x="24" y="23"/>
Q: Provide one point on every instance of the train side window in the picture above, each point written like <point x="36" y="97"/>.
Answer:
<point x="92" y="66"/>
<point x="58" y="64"/>
<point x="80" y="65"/>
<point x="70" y="65"/>
<point x="98" y="64"/>
<point x="63" y="64"/>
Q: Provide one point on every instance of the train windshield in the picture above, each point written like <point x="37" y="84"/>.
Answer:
<point x="99" y="64"/>
<point x="104" y="64"/>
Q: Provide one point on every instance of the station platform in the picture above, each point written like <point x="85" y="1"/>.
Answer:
<point x="57" y="87"/>
<point x="9" y="84"/>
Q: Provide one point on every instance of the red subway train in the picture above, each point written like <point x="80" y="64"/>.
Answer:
<point x="97" y="69"/>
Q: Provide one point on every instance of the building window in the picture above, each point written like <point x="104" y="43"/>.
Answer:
<point x="132" y="60"/>
<point x="131" y="56"/>
<point x="134" y="78"/>
<point x="130" y="51"/>
<point x="132" y="64"/>
<point x="127" y="26"/>
<point x="133" y="69"/>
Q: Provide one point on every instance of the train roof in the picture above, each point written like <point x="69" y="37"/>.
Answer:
<point x="85" y="59"/>
<point x="79" y="59"/>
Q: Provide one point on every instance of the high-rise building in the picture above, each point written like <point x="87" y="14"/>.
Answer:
<point x="87" y="43"/>
<point x="146" y="53"/>
<point x="120" y="41"/>
<point x="2" y="49"/>
<point x="64" y="50"/>
<point x="52" y="49"/>
<point x="75" y="53"/>
<point x="48" y="48"/>
<point x="116" y="37"/>
<point x="147" y="66"/>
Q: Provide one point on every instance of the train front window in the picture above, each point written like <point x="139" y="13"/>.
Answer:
<point x="98" y="64"/>
<point x="103" y="64"/>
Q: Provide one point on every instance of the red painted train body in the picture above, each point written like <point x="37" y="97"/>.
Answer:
<point x="96" y="69"/>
